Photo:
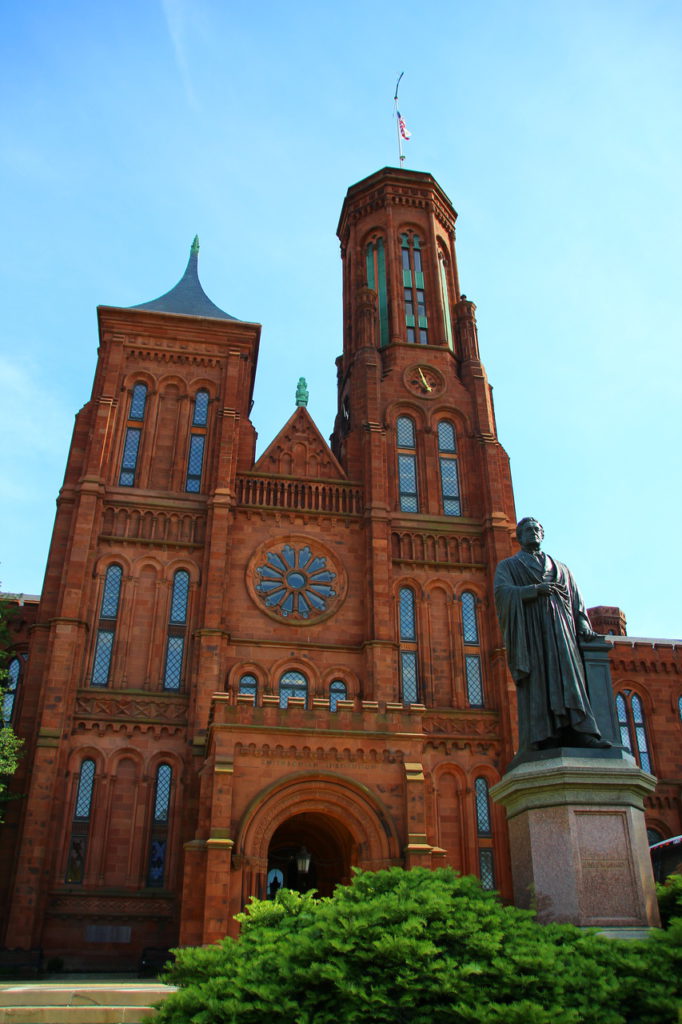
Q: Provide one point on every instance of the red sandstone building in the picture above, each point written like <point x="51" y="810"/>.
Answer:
<point x="236" y="660"/>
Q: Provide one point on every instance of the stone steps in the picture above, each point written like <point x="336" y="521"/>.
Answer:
<point x="79" y="1004"/>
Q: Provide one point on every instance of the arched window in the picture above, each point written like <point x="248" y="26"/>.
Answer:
<point x="248" y="686"/>
<point x="416" y="322"/>
<point x="449" y="472"/>
<point x="653" y="836"/>
<point x="104" y="643"/>
<point x="177" y="630"/>
<point x="406" y="442"/>
<point x="485" y="832"/>
<point x="337" y="692"/>
<point x="472" y="660"/>
<point x="679" y="707"/>
<point x="375" y="259"/>
<point x="158" y="846"/>
<point x="133" y="434"/>
<point x="445" y="297"/>
<point x="632" y="727"/>
<point x="292" y="684"/>
<point x="11" y="688"/>
<point x="409" y="670"/>
<point x="80" y="826"/>
<point x="197" y="442"/>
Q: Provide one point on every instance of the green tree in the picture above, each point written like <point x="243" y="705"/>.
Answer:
<point x="424" y="947"/>
<point x="10" y="744"/>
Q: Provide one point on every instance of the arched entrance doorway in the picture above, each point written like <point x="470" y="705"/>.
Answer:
<point x="338" y="821"/>
<point x="310" y="851"/>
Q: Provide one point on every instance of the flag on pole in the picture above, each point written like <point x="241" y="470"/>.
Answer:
<point x="404" y="131"/>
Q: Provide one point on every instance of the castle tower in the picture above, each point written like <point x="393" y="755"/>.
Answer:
<point x="248" y="673"/>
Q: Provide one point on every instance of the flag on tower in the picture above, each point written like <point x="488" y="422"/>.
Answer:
<point x="404" y="131"/>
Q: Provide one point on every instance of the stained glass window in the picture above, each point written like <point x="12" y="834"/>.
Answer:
<point x="375" y="259"/>
<point x="138" y="402"/>
<point x="482" y="808"/>
<point x="469" y="621"/>
<point x="632" y="727"/>
<point x="248" y="686"/>
<point x="409" y="677"/>
<point x="111" y="592"/>
<point x="416" y="327"/>
<point x="200" y="418"/>
<point x="407" y="619"/>
<point x="474" y="680"/>
<point x="486" y="868"/>
<point x="295" y="583"/>
<point x="10" y="694"/>
<point x="86" y="782"/>
<point x="179" y="599"/>
<point x="131" y="450"/>
<point x="449" y="471"/>
<point x="292" y="684"/>
<point x="337" y="692"/>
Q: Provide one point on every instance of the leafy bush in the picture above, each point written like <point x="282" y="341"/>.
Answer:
<point x="670" y="899"/>
<point x="424" y="947"/>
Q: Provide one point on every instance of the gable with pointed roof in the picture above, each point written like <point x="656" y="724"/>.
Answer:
<point x="300" y="450"/>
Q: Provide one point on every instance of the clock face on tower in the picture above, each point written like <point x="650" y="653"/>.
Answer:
<point x="423" y="381"/>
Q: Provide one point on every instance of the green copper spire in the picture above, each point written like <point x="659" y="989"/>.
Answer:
<point x="301" y="392"/>
<point x="195" y="246"/>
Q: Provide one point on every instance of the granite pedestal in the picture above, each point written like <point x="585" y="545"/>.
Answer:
<point x="578" y="840"/>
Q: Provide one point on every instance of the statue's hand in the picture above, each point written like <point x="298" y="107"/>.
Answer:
<point x="587" y="634"/>
<point x="545" y="588"/>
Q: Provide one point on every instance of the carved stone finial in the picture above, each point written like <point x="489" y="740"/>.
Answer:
<point x="195" y="246"/>
<point x="301" y="392"/>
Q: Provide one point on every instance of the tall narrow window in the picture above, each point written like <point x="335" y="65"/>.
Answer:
<point x="131" y="444"/>
<point x="337" y="692"/>
<point x="177" y="630"/>
<point x="197" y="443"/>
<point x="11" y="688"/>
<point x="407" y="464"/>
<point x="104" y="644"/>
<point x="449" y="473"/>
<point x="632" y="727"/>
<point x="158" y="845"/>
<point x="248" y="686"/>
<point x="375" y="257"/>
<point x="484" y="832"/>
<point x="80" y="827"/>
<point x="409" y="669"/>
<point x="292" y="684"/>
<point x="416" y="322"/>
<point x="472" y="660"/>
<point x="445" y="297"/>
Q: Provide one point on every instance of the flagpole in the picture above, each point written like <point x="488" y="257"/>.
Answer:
<point x="397" y="121"/>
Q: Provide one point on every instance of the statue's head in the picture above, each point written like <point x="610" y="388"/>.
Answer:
<point x="528" y="528"/>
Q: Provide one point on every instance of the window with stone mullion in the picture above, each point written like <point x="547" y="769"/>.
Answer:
<point x="177" y="630"/>
<point x="106" y="632"/>
<point x="80" y="826"/>
<point x="158" y="843"/>
<point x="414" y="296"/>
<point x="133" y="436"/>
<point x="409" y="662"/>
<point x="197" y="443"/>
<point x="406" y="442"/>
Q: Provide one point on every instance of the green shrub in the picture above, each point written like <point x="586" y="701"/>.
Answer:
<point x="424" y="947"/>
<point x="670" y="899"/>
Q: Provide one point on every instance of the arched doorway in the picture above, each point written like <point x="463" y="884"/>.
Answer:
<point x="310" y="851"/>
<point x="339" y="821"/>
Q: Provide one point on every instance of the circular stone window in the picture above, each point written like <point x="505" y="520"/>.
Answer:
<point x="296" y="579"/>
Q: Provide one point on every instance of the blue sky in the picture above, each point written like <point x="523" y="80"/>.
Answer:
<point x="554" y="127"/>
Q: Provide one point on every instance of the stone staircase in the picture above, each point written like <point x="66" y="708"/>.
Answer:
<point x="80" y="1003"/>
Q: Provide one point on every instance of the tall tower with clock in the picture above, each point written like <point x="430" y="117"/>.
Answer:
<point x="254" y="672"/>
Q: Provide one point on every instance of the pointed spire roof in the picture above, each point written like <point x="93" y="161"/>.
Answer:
<point x="187" y="297"/>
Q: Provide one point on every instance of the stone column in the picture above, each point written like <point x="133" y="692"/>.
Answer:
<point x="578" y="840"/>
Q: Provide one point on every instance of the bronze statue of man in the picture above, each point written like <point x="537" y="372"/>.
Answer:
<point x="542" y="616"/>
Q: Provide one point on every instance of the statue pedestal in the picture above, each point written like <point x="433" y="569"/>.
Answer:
<point x="578" y="840"/>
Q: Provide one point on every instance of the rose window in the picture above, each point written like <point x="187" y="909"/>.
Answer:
<point x="295" y="582"/>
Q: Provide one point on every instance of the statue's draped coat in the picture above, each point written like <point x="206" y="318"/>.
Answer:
<point x="540" y="634"/>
